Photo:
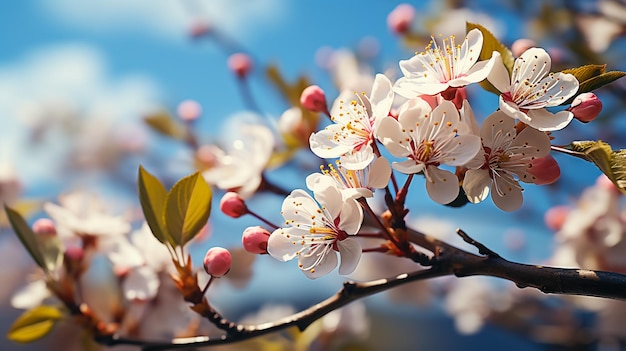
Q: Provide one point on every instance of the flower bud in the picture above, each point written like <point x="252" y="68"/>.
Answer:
<point x="199" y="29"/>
<point x="545" y="169"/>
<point x="233" y="205"/>
<point x="44" y="226"/>
<point x="521" y="45"/>
<point x="586" y="107"/>
<point x="189" y="110"/>
<point x="399" y="20"/>
<point x="556" y="216"/>
<point x="217" y="261"/>
<point x="314" y="99"/>
<point x="254" y="240"/>
<point x="241" y="64"/>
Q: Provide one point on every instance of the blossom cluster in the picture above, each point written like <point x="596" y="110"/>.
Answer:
<point x="425" y="125"/>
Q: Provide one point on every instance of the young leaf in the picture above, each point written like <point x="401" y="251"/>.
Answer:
<point x="491" y="44"/>
<point x="187" y="208"/>
<point x="585" y="72"/>
<point x="611" y="163"/>
<point x="599" y="81"/>
<point x="152" y="195"/>
<point x="26" y="236"/>
<point x="34" y="324"/>
<point x="163" y="123"/>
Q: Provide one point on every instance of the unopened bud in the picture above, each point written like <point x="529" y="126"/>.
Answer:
<point x="189" y="110"/>
<point x="545" y="169"/>
<point x="399" y="20"/>
<point x="199" y="29"/>
<point x="44" y="226"/>
<point x="556" y="216"/>
<point x="290" y="121"/>
<point x="586" y="107"/>
<point x="241" y="64"/>
<point x="521" y="45"/>
<point x="254" y="240"/>
<point x="233" y="205"/>
<point x="314" y="99"/>
<point x="217" y="261"/>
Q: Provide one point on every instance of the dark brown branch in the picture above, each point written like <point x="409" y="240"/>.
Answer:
<point x="351" y="291"/>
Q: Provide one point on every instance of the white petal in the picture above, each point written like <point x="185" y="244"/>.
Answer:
<point x="322" y="143"/>
<point x="417" y="109"/>
<point x="510" y="200"/>
<point x="561" y="87"/>
<point x="393" y="138"/>
<point x="351" y="217"/>
<point x="497" y="123"/>
<point x="312" y="179"/>
<point x="282" y="244"/>
<point x="499" y="76"/>
<point x="533" y="64"/>
<point x="141" y="283"/>
<point x="408" y="167"/>
<point x="534" y="142"/>
<point x="328" y="196"/>
<point x="442" y="185"/>
<point x="350" y="252"/>
<point x="544" y="120"/>
<point x="513" y="111"/>
<point x="411" y="87"/>
<point x="379" y="173"/>
<point x="476" y="185"/>
<point x="299" y="206"/>
<point x="471" y="48"/>
<point x="357" y="160"/>
<point x="325" y="266"/>
<point x="467" y="117"/>
<point x="479" y="72"/>
<point x="460" y="150"/>
<point x="31" y="295"/>
<point x="381" y="96"/>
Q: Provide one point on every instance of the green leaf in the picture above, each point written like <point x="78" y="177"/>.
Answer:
<point x="34" y="324"/>
<point x="26" y="236"/>
<point x="491" y="44"/>
<point x="187" y="208"/>
<point x="599" y="81"/>
<point x="163" y="123"/>
<point x="51" y="250"/>
<point x="611" y="163"/>
<point x="585" y="72"/>
<point x="152" y="195"/>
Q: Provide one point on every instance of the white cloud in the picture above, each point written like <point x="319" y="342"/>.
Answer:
<point x="167" y="18"/>
<point x="64" y="89"/>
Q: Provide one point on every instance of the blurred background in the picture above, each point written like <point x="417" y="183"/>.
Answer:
<point x="90" y="90"/>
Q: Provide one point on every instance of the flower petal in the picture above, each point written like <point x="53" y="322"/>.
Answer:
<point x="499" y="76"/>
<point x="476" y="185"/>
<point x="299" y="206"/>
<point x="442" y="185"/>
<point x="408" y="167"/>
<point x="328" y="196"/>
<point x="513" y="111"/>
<point x="350" y="252"/>
<point x="460" y="150"/>
<point x="325" y="266"/>
<point x="323" y="145"/>
<point x="357" y="160"/>
<point x="532" y="65"/>
<point x="510" y="198"/>
<point x="479" y="72"/>
<point x="412" y="86"/>
<point x="381" y="97"/>
<point x="351" y="217"/>
<point x="470" y="50"/>
<point x="393" y="138"/>
<point x="141" y="283"/>
<point x="281" y="244"/>
<point x="533" y="141"/>
<point x="379" y="173"/>
<point x="544" y="120"/>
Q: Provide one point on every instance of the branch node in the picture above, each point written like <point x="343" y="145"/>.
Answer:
<point x="482" y="249"/>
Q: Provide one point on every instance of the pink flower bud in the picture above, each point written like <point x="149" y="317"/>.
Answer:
<point x="189" y="110"/>
<point x="217" y="261"/>
<point x="545" y="169"/>
<point x="254" y="240"/>
<point x="74" y="253"/>
<point x="241" y="64"/>
<point x="314" y="99"/>
<point x="399" y="20"/>
<point x="556" y="216"/>
<point x="233" y="205"/>
<point x="521" y="45"/>
<point x="199" y="29"/>
<point x="44" y="226"/>
<point x="586" y="107"/>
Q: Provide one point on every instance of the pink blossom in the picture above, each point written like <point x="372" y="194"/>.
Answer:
<point x="217" y="261"/>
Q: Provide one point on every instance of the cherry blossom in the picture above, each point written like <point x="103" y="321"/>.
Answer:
<point x="240" y="168"/>
<point x="315" y="229"/>
<point x="531" y="88"/>
<point x="354" y="183"/>
<point x="355" y="123"/>
<point x="441" y="67"/>
<point x="506" y="160"/>
<point x="427" y="139"/>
